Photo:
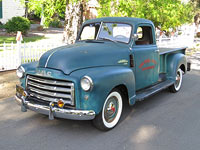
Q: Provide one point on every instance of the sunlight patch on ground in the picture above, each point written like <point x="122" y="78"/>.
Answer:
<point x="145" y="133"/>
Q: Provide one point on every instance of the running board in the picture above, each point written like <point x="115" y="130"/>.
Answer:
<point x="142" y="94"/>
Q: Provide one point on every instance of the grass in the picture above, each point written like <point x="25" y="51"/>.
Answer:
<point x="9" y="39"/>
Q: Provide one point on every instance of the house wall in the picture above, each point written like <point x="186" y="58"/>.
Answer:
<point x="11" y="8"/>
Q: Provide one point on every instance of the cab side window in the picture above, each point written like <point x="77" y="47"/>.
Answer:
<point x="144" y="35"/>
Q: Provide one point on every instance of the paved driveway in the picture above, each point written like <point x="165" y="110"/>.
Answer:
<point x="165" y="121"/>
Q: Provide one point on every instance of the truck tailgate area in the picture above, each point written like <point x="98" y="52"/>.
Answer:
<point x="164" y="50"/>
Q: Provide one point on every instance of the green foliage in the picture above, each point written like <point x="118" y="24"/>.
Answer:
<point x="165" y="14"/>
<point x="2" y="25"/>
<point x="48" y="9"/>
<point x="17" y="24"/>
<point x="196" y="3"/>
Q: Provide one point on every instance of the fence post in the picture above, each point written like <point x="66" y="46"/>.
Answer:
<point x="4" y="57"/>
<point x="19" y="41"/>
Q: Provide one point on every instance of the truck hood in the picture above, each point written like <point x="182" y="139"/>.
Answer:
<point x="84" y="55"/>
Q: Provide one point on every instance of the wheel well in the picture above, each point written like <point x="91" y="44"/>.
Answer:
<point x="183" y="68"/>
<point x="123" y="90"/>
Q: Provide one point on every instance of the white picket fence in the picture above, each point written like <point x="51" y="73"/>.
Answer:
<point x="12" y="55"/>
<point x="179" y="41"/>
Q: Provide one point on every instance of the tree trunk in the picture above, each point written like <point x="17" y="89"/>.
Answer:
<point x="196" y="21"/>
<point x="26" y="9"/>
<point x="73" y="20"/>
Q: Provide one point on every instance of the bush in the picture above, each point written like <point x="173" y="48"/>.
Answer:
<point x="56" y="23"/>
<point x="2" y="25"/>
<point x="17" y="24"/>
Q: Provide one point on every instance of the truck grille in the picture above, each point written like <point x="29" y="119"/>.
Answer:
<point x="51" y="90"/>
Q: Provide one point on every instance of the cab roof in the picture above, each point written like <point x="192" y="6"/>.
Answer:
<point x="127" y="20"/>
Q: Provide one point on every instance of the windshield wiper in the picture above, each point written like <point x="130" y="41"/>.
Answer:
<point x="107" y="39"/>
<point x="91" y="41"/>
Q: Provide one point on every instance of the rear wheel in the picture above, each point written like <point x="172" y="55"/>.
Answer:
<point x="111" y="112"/>
<point x="177" y="85"/>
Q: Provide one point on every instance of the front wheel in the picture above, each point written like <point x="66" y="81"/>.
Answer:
<point x="177" y="85"/>
<point x="111" y="112"/>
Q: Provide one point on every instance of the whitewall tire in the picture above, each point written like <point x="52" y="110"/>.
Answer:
<point x="111" y="111"/>
<point x="177" y="84"/>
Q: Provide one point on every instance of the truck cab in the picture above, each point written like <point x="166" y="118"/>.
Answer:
<point x="114" y="60"/>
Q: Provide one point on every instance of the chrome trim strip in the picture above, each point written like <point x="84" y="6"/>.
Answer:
<point x="47" y="87"/>
<point x="99" y="31"/>
<point x="59" y="112"/>
<point x="46" y="81"/>
<point x="73" y="95"/>
<point x="49" y="58"/>
<point x="132" y="97"/>
<point x="53" y="94"/>
<point x="49" y="99"/>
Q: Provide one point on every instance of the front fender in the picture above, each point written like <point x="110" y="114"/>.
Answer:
<point x="174" y="61"/>
<point x="105" y="79"/>
<point x="28" y="67"/>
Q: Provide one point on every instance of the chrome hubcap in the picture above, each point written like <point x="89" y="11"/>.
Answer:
<point x="111" y="109"/>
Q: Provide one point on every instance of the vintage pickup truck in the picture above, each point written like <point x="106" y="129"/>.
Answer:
<point x="114" y="60"/>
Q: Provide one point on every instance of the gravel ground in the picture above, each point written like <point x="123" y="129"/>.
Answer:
<point x="8" y="81"/>
<point x="52" y="35"/>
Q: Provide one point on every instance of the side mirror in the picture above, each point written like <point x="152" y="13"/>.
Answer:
<point x="135" y="37"/>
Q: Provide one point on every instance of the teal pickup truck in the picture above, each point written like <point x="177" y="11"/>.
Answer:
<point x="114" y="60"/>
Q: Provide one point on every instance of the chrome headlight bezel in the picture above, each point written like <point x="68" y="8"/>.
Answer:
<point x="20" y="72"/>
<point x="87" y="83"/>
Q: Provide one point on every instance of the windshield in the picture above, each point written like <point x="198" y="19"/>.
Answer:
<point x="116" y="32"/>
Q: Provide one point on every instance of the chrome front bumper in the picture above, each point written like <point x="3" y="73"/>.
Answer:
<point x="55" y="112"/>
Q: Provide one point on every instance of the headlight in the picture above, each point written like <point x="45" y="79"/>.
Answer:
<point x="86" y="83"/>
<point x="20" y="72"/>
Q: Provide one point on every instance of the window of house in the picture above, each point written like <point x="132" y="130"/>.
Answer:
<point x="144" y="35"/>
<point x="1" y="9"/>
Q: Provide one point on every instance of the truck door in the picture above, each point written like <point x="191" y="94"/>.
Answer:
<point x="146" y="57"/>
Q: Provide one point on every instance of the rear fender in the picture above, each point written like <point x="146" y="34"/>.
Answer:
<point x="174" y="61"/>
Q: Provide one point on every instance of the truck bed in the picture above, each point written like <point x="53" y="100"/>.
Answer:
<point x="164" y="53"/>
<point x="163" y="50"/>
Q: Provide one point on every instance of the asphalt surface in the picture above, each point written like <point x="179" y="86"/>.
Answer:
<point x="165" y="121"/>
